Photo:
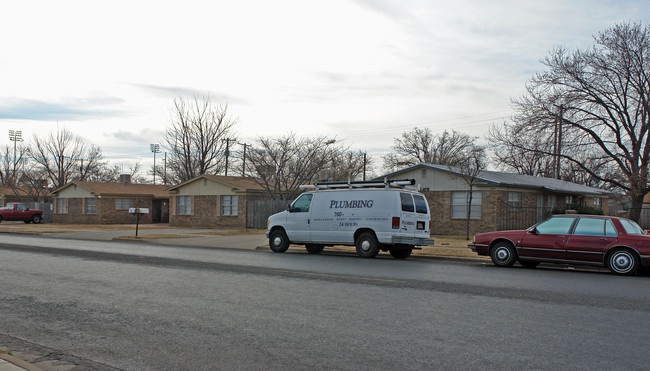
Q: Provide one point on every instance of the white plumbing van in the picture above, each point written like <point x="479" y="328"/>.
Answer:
<point x="372" y="216"/>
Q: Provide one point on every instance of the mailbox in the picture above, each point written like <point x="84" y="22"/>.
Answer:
<point x="139" y="210"/>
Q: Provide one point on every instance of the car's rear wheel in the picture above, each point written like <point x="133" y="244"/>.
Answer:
<point x="314" y="249"/>
<point x="36" y="219"/>
<point x="623" y="261"/>
<point x="278" y="241"/>
<point x="503" y="254"/>
<point x="400" y="252"/>
<point x="367" y="245"/>
<point x="528" y="263"/>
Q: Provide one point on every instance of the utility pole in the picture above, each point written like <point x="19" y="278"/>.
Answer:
<point x="558" y="152"/>
<point x="165" y="171"/>
<point x="227" y="152"/>
<point x="243" y="168"/>
<point x="364" y="166"/>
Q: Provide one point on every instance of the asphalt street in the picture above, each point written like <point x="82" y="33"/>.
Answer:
<point x="137" y="306"/>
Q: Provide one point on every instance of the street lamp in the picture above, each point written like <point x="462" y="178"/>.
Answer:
<point x="155" y="148"/>
<point x="15" y="136"/>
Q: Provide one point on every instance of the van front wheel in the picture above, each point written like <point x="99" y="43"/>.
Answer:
<point x="278" y="241"/>
<point x="367" y="245"/>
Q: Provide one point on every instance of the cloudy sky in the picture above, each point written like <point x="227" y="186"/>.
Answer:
<point x="360" y="71"/>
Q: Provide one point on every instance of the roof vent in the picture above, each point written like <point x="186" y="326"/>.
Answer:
<point x="125" y="178"/>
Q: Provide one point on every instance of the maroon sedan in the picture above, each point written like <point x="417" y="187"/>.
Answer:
<point x="617" y="243"/>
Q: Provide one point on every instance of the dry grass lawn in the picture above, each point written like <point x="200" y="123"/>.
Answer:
<point x="452" y="246"/>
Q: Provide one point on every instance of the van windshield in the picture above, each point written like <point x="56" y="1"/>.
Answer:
<point x="420" y="204"/>
<point x="301" y="204"/>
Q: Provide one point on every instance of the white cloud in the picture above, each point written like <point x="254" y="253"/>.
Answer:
<point x="363" y="71"/>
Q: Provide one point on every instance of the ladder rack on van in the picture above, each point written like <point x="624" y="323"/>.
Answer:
<point x="386" y="183"/>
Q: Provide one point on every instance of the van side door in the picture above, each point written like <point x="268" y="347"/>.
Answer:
<point x="298" y="219"/>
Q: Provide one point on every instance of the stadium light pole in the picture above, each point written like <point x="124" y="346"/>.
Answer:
<point x="15" y="136"/>
<point x="155" y="148"/>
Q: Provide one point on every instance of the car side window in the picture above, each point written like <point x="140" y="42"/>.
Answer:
<point x="555" y="226"/>
<point x="610" y="231"/>
<point x="631" y="227"/>
<point x="407" y="202"/>
<point x="301" y="205"/>
<point x="21" y="207"/>
<point x="590" y="227"/>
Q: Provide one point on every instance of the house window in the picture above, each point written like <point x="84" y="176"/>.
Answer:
<point x="514" y="200"/>
<point x="597" y="202"/>
<point x="229" y="205"/>
<point x="61" y="205"/>
<point x="459" y="202"/>
<point x="123" y="203"/>
<point x="183" y="205"/>
<point x="90" y="205"/>
<point x="569" y="202"/>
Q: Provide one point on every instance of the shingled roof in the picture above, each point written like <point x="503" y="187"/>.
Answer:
<point x="119" y="189"/>
<point x="242" y="183"/>
<point x="496" y="178"/>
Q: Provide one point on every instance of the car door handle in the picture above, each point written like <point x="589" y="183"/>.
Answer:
<point x="562" y="237"/>
<point x="603" y="239"/>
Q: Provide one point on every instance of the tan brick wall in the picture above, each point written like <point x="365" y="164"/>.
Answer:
<point x="106" y="212"/>
<point x="206" y="213"/>
<point x="443" y="224"/>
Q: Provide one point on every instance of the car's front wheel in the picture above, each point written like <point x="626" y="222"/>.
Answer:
<point x="36" y="219"/>
<point x="503" y="254"/>
<point x="623" y="261"/>
<point x="278" y="241"/>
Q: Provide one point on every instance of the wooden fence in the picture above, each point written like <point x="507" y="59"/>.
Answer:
<point x="257" y="212"/>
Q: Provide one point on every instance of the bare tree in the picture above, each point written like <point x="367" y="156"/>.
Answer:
<point x="350" y="165"/>
<point x="521" y="151"/>
<point x="282" y="164"/>
<point x="112" y="174"/>
<point x="602" y="97"/>
<point x="197" y="138"/>
<point x="422" y="146"/>
<point x="11" y="166"/>
<point x="65" y="157"/>
<point x="33" y="182"/>
<point x="530" y="150"/>
<point x="470" y="168"/>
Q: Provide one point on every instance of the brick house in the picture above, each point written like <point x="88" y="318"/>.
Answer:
<point x="9" y="194"/>
<point x="109" y="203"/>
<point x="499" y="200"/>
<point x="213" y="201"/>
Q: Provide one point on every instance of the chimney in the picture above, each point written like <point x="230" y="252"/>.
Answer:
<point x="125" y="178"/>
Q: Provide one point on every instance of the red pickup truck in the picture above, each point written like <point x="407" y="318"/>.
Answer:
<point x="20" y="212"/>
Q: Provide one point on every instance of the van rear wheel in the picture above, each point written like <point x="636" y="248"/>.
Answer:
<point x="400" y="252"/>
<point x="367" y="245"/>
<point x="314" y="249"/>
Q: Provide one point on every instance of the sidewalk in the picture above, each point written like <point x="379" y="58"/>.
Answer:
<point x="10" y="363"/>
